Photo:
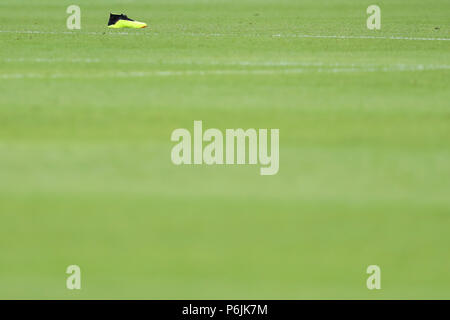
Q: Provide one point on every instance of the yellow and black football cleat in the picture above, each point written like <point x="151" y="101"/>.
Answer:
<point x="117" y="21"/>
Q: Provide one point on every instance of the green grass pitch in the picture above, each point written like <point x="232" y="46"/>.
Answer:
<point x="85" y="171"/>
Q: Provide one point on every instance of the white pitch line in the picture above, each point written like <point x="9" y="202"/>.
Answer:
<point x="231" y="35"/>
<point x="140" y="74"/>
<point x="361" y="37"/>
<point x="66" y="32"/>
<point x="55" y="60"/>
<point x="181" y="62"/>
<point x="307" y="64"/>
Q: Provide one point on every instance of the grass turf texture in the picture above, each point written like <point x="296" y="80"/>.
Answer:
<point x="86" y="176"/>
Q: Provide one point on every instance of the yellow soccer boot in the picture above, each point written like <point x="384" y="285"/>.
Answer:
<point x="117" y="21"/>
